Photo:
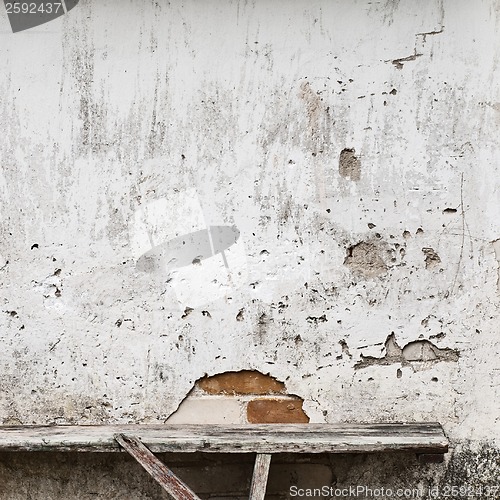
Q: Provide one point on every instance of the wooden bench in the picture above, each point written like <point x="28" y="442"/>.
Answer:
<point x="425" y="439"/>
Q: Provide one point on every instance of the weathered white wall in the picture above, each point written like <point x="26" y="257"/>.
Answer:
<point x="236" y="113"/>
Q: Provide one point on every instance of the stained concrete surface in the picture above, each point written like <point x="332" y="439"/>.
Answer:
<point x="236" y="113"/>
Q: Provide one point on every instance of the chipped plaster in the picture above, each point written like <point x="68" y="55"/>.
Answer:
<point x="98" y="126"/>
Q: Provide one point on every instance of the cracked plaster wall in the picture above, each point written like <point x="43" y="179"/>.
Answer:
<point x="354" y="145"/>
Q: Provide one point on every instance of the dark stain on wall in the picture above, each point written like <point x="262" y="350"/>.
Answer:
<point x="365" y="259"/>
<point x="349" y="165"/>
<point x="417" y="351"/>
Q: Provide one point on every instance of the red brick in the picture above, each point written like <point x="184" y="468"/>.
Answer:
<point x="241" y="383"/>
<point x="276" y="411"/>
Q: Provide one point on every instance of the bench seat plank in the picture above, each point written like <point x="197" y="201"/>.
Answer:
<point x="426" y="438"/>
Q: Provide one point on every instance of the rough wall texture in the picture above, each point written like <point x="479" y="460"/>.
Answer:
<point x="352" y="146"/>
<point x="244" y="397"/>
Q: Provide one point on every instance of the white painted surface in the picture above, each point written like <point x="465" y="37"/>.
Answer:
<point x="121" y="104"/>
<point x="216" y="410"/>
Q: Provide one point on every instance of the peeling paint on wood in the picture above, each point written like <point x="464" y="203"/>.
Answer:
<point x="258" y="438"/>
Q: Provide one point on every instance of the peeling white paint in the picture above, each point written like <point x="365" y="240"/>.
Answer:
<point x="109" y="125"/>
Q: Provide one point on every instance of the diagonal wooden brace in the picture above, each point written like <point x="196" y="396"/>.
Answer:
<point x="260" y="474"/>
<point x="159" y="471"/>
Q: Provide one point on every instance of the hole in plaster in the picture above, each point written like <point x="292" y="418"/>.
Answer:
<point x="187" y="312"/>
<point x="364" y="259"/>
<point x="419" y="351"/>
<point x="242" y="382"/>
<point x="345" y="348"/>
<point x="432" y="259"/>
<point x="424" y="350"/>
<point x="349" y="165"/>
<point x="317" y="319"/>
<point x="246" y="396"/>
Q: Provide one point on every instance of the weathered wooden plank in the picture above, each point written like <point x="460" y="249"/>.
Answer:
<point x="259" y="438"/>
<point x="260" y="475"/>
<point x="158" y="470"/>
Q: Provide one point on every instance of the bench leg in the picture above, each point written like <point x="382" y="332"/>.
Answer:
<point x="159" y="471"/>
<point x="259" y="478"/>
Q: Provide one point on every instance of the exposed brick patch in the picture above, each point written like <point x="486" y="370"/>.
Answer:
<point x="276" y="411"/>
<point x="243" y="382"/>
